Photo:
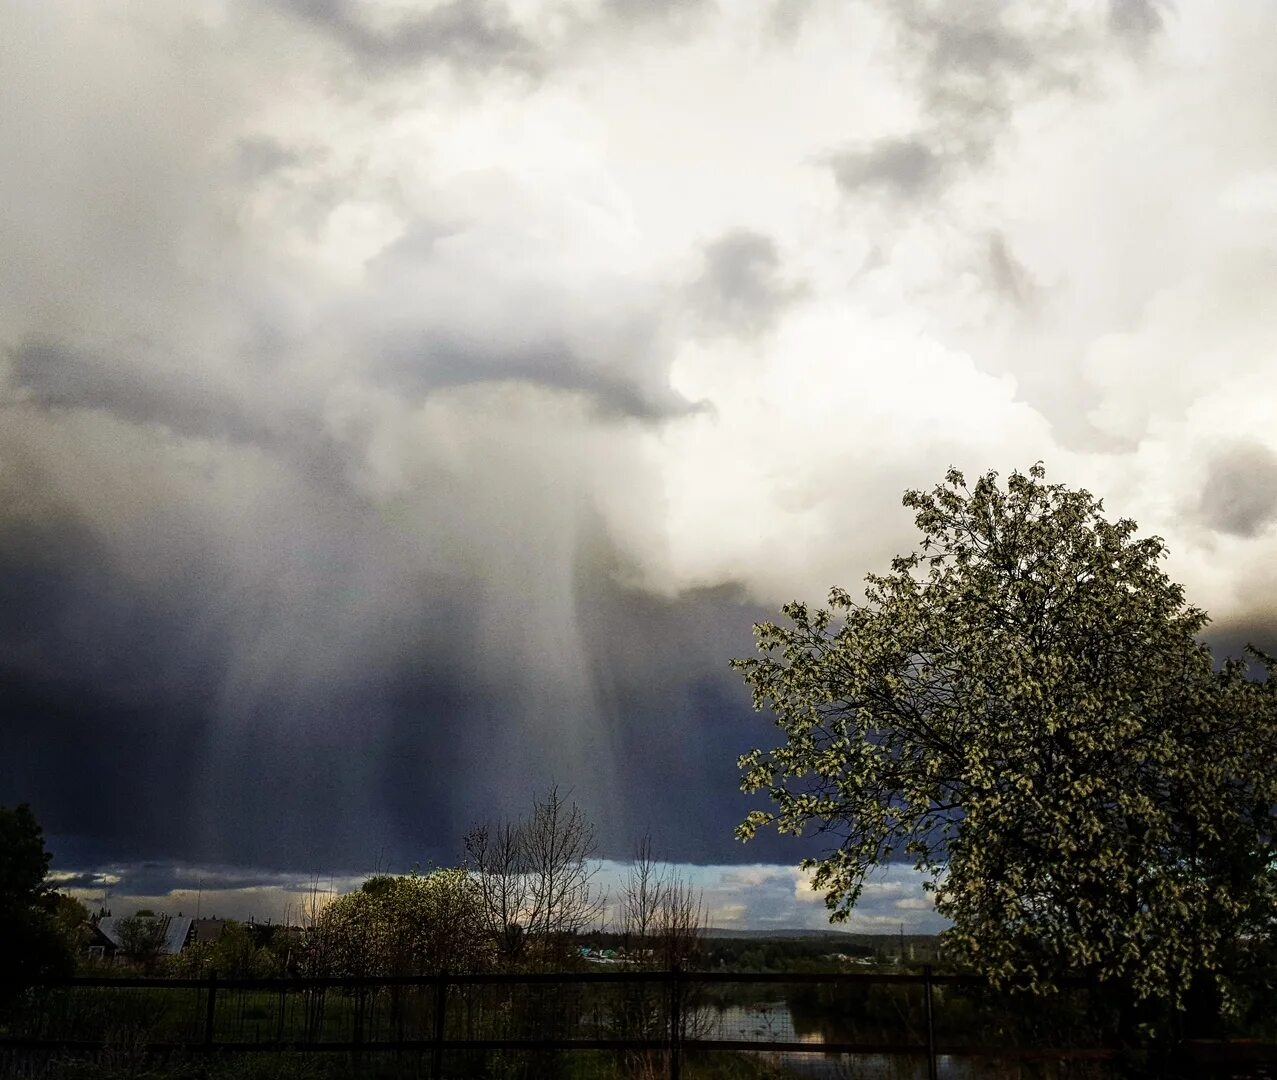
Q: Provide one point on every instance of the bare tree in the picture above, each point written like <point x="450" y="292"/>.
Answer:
<point x="536" y="879"/>
<point x="640" y="898"/>
<point x="497" y="857"/>
<point x="663" y="923"/>
<point x="558" y="846"/>
<point x="662" y="915"/>
<point x="680" y="923"/>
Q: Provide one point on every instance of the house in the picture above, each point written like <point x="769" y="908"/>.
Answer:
<point x="206" y="931"/>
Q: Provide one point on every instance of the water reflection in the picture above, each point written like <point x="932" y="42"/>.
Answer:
<point x="779" y="1021"/>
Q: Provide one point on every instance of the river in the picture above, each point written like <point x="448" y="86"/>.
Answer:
<point x="774" y="1021"/>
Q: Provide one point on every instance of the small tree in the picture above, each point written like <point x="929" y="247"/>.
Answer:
<point x="1020" y="708"/>
<point x="640" y="899"/>
<point x="536" y="879"/>
<point x="662" y="916"/>
<point x="558" y="842"/>
<point x="73" y="921"/>
<point x="497" y="855"/>
<point x="662" y="924"/>
<point x="237" y="953"/>
<point x="411" y="925"/>
<point x="142" y="938"/>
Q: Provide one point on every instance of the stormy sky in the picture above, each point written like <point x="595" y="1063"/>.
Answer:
<point x="407" y="405"/>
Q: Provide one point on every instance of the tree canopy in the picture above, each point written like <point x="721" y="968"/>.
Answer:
<point x="36" y="946"/>
<point x="142" y="938"/>
<point x="417" y="924"/>
<point x="1021" y="708"/>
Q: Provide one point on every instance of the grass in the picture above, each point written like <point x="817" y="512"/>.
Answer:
<point x="583" y="1065"/>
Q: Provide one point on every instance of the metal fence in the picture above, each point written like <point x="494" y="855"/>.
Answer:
<point x="650" y="1023"/>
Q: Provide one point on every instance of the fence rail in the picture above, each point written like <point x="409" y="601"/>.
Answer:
<point x="650" y="1012"/>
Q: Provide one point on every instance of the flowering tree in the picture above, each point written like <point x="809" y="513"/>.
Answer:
<point x="411" y="925"/>
<point x="1021" y="709"/>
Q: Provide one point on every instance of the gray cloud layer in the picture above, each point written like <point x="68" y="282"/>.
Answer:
<point x="971" y="67"/>
<point x="1240" y="495"/>
<point x="469" y="34"/>
<point x="907" y="167"/>
<point x="740" y="290"/>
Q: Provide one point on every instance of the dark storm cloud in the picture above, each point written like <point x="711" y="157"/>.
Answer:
<point x="115" y="724"/>
<point x="661" y="665"/>
<point x="740" y="289"/>
<point x="174" y="691"/>
<point x="159" y="879"/>
<point x="904" y="167"/>
<point x="1240" y="493"/>
<point x="476" y="35"/>
<point x="112" y="729"/>
<point x="114" y="772"/>
<point x="1230" y="637"/>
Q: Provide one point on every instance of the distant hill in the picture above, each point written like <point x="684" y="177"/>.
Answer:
<point x="728" y="932"/>
<point x="876" y="941"/>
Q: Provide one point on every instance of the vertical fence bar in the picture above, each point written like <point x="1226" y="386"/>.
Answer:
<point x="210" y="1008"/>
<point x="676" y="1023"/>
<point x="932" y="1066"/>
<point x="357" y="1033"/>
<point x="441" y="1016"/>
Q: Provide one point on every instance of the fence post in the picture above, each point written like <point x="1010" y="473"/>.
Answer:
<point x="932" y="1068"/>
<point x="676" y="1022"/>
<point x="441" y="1015"/>
<point x="209" y="1008"/>
<point x="357" y="1032"/>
